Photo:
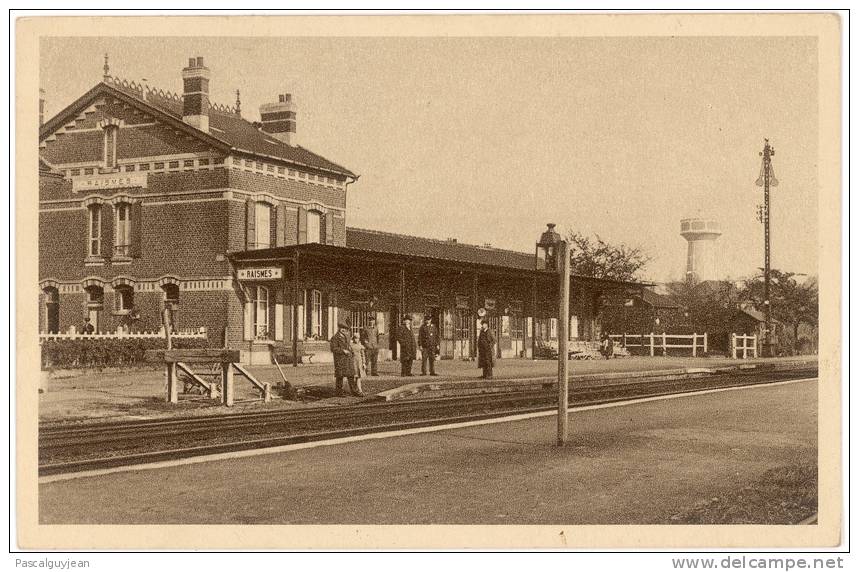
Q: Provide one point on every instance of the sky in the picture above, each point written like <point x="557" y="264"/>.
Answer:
<point x="488" y="139"/>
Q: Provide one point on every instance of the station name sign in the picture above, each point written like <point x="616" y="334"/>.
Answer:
<point x="273" y="273"/>
<point x="108" y="181"/>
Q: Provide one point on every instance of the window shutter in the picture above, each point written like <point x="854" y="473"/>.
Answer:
<point x="302" y="225"/>
<point x="107" y="230"/>
<point x="249" y="320"/>
<point x="329" y="228"/>
<point x="136" y="229"/>
<point x="280" y="226"/>
<point x="251" y="225"/>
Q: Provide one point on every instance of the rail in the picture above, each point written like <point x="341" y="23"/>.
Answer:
<point x="661" y="341"/>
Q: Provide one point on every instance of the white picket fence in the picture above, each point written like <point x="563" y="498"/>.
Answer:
<point x="187" y="333"/>
<point x="663" y="341"/>
<point x="741" y="343"/>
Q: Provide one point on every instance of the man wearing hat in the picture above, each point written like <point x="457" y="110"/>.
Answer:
<point x="485" y="350"/>
<point x="408" y="351"/>
<point x="370" y="339"/>
<point x="428" y="341"/>
<point x="344" y="365"/>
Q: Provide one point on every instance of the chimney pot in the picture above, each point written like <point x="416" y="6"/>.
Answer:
<point x="199" y="62"/>
<point x="191" y="62"/>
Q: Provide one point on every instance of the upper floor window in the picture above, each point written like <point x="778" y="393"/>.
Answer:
<point x="94" y="235"/>
<point x="262" y="226"/>
<point x="110" y="136"/>
<point x="314" y="226"/>
<point x="122" y="232"/>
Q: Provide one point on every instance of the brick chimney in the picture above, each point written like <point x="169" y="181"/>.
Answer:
<point x="41" y="106"/>
<point x="195" y="78"/>
<point x="278" y="119"/>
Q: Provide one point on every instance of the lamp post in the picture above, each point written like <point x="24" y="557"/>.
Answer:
<point x="556" y="258"/>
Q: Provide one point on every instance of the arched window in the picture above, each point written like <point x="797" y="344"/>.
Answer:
<point x="94" y="305"/>
<point x="94" y="234"/>
<point x="262" y="225"/>
<point x="52" y="310"/>
<point x="110" y="134"/>
<point x="124" y="298"/>
<point x="314" y="226"/>
<point x="260" y="304"/>
<point x="122" y="229"/>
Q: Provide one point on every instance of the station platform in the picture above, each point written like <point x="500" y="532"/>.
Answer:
<point x="732" y="453"/>
<point x="136" y="394"/>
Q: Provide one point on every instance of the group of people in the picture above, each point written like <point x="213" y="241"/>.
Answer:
<point x="355" y="353"/>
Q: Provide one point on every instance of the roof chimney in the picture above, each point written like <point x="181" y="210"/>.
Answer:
<point x="195" y="110"/>
<point x="278" y="119"/>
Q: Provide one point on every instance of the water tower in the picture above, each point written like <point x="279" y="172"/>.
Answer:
<point x="701" y="233"/>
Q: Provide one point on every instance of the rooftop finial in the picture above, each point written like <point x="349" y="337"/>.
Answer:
<point x="106" y="68"/>
<point x="238" y="103"/>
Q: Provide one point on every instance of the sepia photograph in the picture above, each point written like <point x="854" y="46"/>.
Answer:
<point x="597" y="243"/>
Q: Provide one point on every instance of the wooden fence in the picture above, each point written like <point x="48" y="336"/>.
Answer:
<point x="740" y="343"/>
<point x="694" y="342"/>
<point x="188" y="333"/>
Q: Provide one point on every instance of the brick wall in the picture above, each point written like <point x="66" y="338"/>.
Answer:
<point x="287" y="189"/>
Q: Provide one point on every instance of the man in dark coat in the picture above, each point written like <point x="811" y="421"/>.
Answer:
<point x="344" y="365"/>
<point x="408" y="349"/>
<point x="370" y="339"/>
<point x="429" y="344"/>
<point x="485" y="350"/>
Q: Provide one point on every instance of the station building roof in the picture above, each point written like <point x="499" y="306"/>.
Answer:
<point x="227" y="129"/>
<point x="401" y="248"/>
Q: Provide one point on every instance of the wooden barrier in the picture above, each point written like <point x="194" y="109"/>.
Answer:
<point x="176" y="360"/>
<point x="661" y="341"/>
<point x="745" y="347"/>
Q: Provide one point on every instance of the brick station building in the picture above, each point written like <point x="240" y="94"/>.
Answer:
<point x="149" y="199"/>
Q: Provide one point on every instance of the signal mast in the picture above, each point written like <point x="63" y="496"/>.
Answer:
<point x="766" y="179"/>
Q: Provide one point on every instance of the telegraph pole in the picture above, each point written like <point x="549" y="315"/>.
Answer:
<point x="563" y="341"/>
<point x="766" y="179"/>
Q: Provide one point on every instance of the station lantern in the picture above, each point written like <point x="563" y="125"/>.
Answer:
<point x="546" y="254"/>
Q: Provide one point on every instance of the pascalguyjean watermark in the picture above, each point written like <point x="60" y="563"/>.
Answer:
<point x="51" y="564"/>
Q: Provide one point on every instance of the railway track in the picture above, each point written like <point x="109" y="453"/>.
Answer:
<point x="64" y="448"/>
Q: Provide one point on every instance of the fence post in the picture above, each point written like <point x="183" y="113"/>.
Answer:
<point x="733" y="346"/>
<point x="664" y="345"/>
<point x="172" y="383"/>
<point x="694" y="345"/>
<point x="651" y="344"/>
<point x="745" y="346"/>
<point x="624" y="339"/>
<point x="705" y="342"/>
<point x="227" y="384"/>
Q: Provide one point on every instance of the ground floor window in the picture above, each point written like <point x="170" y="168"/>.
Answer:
<point x="52" y="310"/>
<point x="359" y="319"/>
<point x="461" y="323"/>
<point x="260" y="310"/>
<point x="517" y="327"/>
<point x="316" y="316"/>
